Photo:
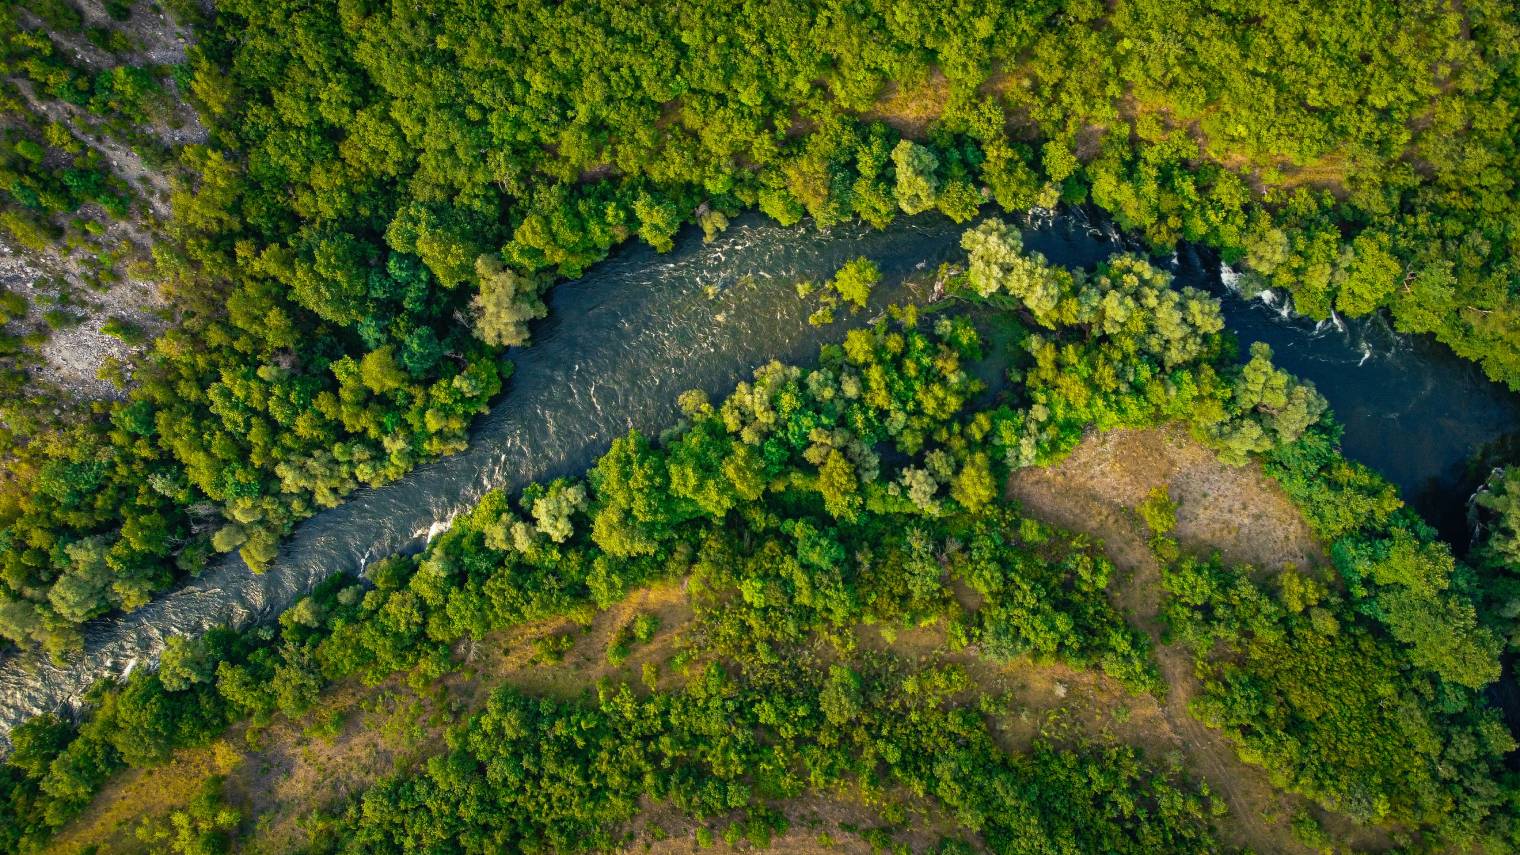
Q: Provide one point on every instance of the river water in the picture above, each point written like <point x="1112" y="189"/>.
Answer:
<point x="623" y="341"/>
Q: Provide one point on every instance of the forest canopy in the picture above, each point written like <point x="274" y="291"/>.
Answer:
<point x="366" y="215"/>
<point x="373" y="174"/>
<point x="865" y="490"/>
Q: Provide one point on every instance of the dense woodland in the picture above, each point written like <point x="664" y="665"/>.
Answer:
<point x="866" y="489"/>
<point x="373" y="175"/>
<point x="385" y="191"/>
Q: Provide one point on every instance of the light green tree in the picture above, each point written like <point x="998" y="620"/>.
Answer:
<point x="974" y="487"/>
<point x="507" y="301"/>
<point x="185" y="662"/>
<point x="1367" y="274"/>
<point x="917" y="186"/>
<point x="998" y="265"/>
<point x="380" y="372"/>
<point x="855" y="280"/>
<point x="554" y="510"/>
<point x="81" y="592"/>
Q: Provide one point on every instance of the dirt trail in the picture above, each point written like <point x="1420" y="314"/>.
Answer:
<point x="295" y="766"/>
<point x="1239" y="512"/>
<point x="838" y="822"/>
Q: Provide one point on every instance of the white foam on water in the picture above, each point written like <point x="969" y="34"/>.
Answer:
<point x="1229" y="278"/>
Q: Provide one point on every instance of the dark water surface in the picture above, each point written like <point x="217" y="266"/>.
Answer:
<point x="1424" y="418"/>
<point x="625" y="340"/>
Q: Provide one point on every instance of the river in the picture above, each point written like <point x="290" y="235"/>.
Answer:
<point x="623" y="341"/>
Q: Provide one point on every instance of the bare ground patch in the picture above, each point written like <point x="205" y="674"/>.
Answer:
<point x="911" y="110"/>
<point x="63" y="274"/>
<point x="837" y="823"/>
<point x="291" y="768"/>
<point x="73" y="354"/>
<point x="1239" y="512"/>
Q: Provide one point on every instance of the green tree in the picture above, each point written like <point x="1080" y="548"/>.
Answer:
<point x="380" y="372"/>
<point x="854" y="281"/>
<point x="506" y="303"/>
<point x="917" y="186"/>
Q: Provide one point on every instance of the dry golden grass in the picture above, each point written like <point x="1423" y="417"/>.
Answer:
<point x="912" y="110"/>
<point x="816" y="823"/>
<point x="116" y="812"/>
<point x="292" y="768"/>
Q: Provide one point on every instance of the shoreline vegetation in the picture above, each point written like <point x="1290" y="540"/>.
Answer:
<point x="868" y="491"/>
<point x="849" y="598"/>
<point x="382" y="195"/>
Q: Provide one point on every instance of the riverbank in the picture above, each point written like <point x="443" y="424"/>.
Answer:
<point x="625" y="340"/>
<point x="356" y="734"/>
